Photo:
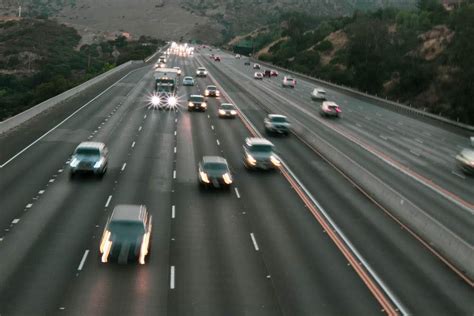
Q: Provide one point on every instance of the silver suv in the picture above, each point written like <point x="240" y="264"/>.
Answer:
<point x="91" y="157"/>
<point x="276" y="123"/>
<point x="259" y="154"/>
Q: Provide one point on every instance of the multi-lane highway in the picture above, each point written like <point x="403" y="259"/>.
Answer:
<point x="302" y="240"/>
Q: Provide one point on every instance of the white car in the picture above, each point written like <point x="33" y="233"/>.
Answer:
<point x="201" y="72"/>
<point x="288" y="82"/>
<point x="329" y="108"/>
<point x="318" y="94"/>
<point x="256" y="66"/>
<point x="237" y="56"/>
<point x="258" y="75"/>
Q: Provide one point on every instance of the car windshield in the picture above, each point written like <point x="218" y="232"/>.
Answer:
<point x="127" y="229"/>
<point x="201" y="69"/>
<point x="215" y="166"/>
<point x="261" y="148"/>
<point x="88" y="151"/>
<point x="197" y="99"/>
<point x="211" y="88"/>
<point x="188" y="78"/>
<point x="227" y="106"/>
<point x="279" y="119"/>
<point x="332" y="107"/>
<point x="290" y="79"/>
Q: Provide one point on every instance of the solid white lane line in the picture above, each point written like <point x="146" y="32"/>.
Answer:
<point x="108" y="201"/>
<point x="29" y="205"/>
<point x="217" y="141"/>
<point x="255" y="245"/>
<point x="173" y="211"/>
<point x="63" y="121"/>
<point x="133" y="144"/>
<point x="140" y="128"/>
<point x="123" y="166"/>
<point x="172" y="277"/>
<point x="175" y="149"/>
<point x="15" y="221"/>
<point x="83" y="260"/>
<point x="237" y="193"/>
<point x="174" y="174"/>
<point x="458" y="174"/>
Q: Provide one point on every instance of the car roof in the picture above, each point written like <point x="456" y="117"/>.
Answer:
<point x="128" y="213"/>
<point x="201" y="68"/>
<point x="214" y="159"/>
<point x="227" y="104"/>
<point x="211" y="86"/>
<point x="276" y="115"/>
<point x="97" y="145"/>
<point x="257" y="141"/>
<point x="319" y="89"/>
<point x="188" y="77"/>
<point x="329" y="103"/>
<point x="196" y="95"/>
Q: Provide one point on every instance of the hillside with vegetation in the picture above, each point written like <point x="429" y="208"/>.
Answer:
<point x="41" y="58"/>
<point x="422" y="57"/>
<point x="209" y="21"/>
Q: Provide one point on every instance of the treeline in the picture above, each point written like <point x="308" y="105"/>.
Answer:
<point x="388" y="53"/>
<point x="39" y="59"/>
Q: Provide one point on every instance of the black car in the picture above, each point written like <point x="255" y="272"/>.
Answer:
<point x="247" y="63"/>
<point x="126" y="235"/>
<point x="196" y="102"/>
<point x="214" y="171"/>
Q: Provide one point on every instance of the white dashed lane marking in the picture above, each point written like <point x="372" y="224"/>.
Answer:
<point x="108" y="201"/>
<point x="83" y="260"/>
<point x="123" y="166"/>
<point x="173" y="211"/>
<point x="237" y="193"/>
<point x="172" y="277"/>
<point x="15" y="221"/>
<point x="254" y="241"/>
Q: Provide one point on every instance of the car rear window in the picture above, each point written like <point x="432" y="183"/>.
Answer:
<point x="261" y="148"/>
<point x="279" y="119"/>
<point x="215" y="166"/>
<point x="197" y="99"/>
<point x="88" y="151"/>
<point x="127" y="228"/>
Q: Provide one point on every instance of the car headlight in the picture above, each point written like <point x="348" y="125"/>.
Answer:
<point x="204" y="104"/>
<point x="98" y="164"/>
<point x="227" y="178"/>
<point x="221" y="112"/>
<point x="206" y="92"/>
<point x="251" y="160"/>
<point x="217" y="92"/>
<point x="205" y="72"/>
<point x="233" y="112"/>
<point x="155" y="100"/>
<point x="204" y="177"/>
<point x="190" y="104"/>
<point x="172" y="101"/>
<point x="275" y="161"/>
<point x="74" y="162"/>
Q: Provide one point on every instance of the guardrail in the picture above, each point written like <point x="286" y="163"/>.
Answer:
<point x="30" y="113"/>
<point x="26" y="115"/>
<point x="399" y="107"/>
